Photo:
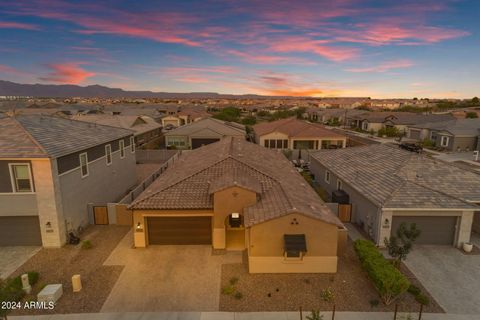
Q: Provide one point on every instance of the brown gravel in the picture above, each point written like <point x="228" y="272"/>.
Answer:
<point x="351" y="286"/>
<point x="58" y="266"/>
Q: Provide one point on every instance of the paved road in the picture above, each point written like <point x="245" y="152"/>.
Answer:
<point x="450" y="276"/>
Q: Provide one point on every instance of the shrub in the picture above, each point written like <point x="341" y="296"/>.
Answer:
<point x="228" y="290"/>
<point x="389" y="282"/>
<point x="422" y="299"/>
<point x="233" y="281"/>
<point x="238" y="295"/>
<point x="315" y="315"/>
<point x="414" y="290"/>
<point x="12" y="290"/>
<point x="86" y="244"/>
<point x="374" y="303"/>
<point x="328" y="295"/>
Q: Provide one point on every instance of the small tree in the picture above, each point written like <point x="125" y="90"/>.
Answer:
<point x="399" y="246"/>
<point x="475" y="100"/>
<point x="471" y="115"/>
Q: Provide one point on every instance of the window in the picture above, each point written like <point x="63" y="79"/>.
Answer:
<point x="365" y="125"/>
<point x="122" y="149"/>
<point x="295" y="246"/>
<point x="265" y="143"/>
<point x="285" y="144"/>
<point x="21" y="177"/>
<point x="84" y="164"/>
<point x="176" y="141"/>
<point x="327" y="176"/>
<point x="444" y="141"/>
<point x="132" y="144"/>
<point x="339" y="184"/>
<point x="108" y="154"/>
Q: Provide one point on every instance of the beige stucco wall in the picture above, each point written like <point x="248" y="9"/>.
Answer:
<point x="49" y="203"/>
<point x="225" y="202"/>
<point x="280" y="136"/>
<point x="170" y="120"/>
<point x="266" y="245"/>
<point x="273" y="135"/>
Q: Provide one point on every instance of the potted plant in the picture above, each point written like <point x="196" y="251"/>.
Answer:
<point x="467" y="247"/>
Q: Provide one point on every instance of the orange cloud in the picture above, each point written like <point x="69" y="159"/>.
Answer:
<point x="67" y="73"/>
<point x="17" y="25"/>
<point x="385" y="66"/>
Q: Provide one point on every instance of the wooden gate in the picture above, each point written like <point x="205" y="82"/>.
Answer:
<point x="100" y="215"/>
<point x="345" y="212"/>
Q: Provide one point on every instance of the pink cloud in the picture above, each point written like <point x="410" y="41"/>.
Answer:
<point x="67" y="73"/>
<point x="11" y="70"/>
<point x="255" y="58"/>
<point x="385" y="66"/>
<point x="17" y="25"/>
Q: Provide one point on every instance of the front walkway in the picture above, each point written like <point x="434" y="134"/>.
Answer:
<point x="11" y="258"/>
<point x="242" y="316"/>
<point x="166" y="278"/>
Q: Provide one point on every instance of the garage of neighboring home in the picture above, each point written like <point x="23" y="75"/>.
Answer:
<point x="199" y="142"/>
<point x="179" y="230"/>
<point x="438" y="230"/>
<point x="20" y="231"/>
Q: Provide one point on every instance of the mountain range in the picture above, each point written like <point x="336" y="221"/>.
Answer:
<point x="8" y="88"/>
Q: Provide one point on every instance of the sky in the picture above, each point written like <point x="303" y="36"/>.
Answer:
<point x="350" y="48"/>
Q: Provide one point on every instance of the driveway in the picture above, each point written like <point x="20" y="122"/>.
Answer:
<point x="13" y="257"/>
<point x="451" y="277"/>
<point x="166" y="278"/>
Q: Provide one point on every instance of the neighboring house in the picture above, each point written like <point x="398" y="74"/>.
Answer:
<point x="453" y="135"/>
<point x="387" y="186"/>
<point x="52" y="169"/>
<point x="203" y="132"/>
<point x="292" y="133"/>
<point x="330" y="115"/>
<point x="183" y="117"/>
<point x="236" y="195"/>
<point x="145" y="128"/>
<point x="374" y="121"/>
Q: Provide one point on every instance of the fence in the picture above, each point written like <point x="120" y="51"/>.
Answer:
<point x="155" y="156"/>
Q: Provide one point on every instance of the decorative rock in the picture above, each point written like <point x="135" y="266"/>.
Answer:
<point x="26" y="284"/>
<point x="76" y="283"/>
<point x="50" y="293"/>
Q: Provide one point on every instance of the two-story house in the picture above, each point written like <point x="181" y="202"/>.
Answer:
<point x="52" y="169"/>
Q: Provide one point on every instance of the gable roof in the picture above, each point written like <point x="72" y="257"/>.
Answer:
<point x="41" y="135"/>
<point x="139" y="124"/>
<point x="189" y="182"/>
<point x="398" y="117"/>
<point x="223" y="128"/>
<point x="457" y="127"/>
<point x="295" y="128"/>
<point x="394" y="178"/>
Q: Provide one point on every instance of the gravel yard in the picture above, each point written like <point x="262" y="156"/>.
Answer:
<point x="58" y="266"/>
<point x="287" y="292"/>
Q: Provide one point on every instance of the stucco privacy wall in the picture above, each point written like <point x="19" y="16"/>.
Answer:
<point x="228" y="201"/>
<point x="49" y="204"/>
<point x="104" y="184"/>
<point x="266" y="245"/>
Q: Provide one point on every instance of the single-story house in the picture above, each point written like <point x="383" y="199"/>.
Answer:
<point x="453" y="135"/>
<point x="295" y="134"/>
<point x="53" y="170"/>
<point x="386" y="186"/>
<point x="203" y="132"/>
<point x="330" y="115"/>
<point x="236" y="195"/>
<point x="144" y="127"/>
<point x="183" y="117"/>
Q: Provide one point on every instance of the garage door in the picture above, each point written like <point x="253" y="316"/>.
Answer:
<point x="20" y="231"/>
<point x="414" y="134"/>
<point x="179" y="230"/>
<point x="435" y="230"/>
<point x="197" y="143"/>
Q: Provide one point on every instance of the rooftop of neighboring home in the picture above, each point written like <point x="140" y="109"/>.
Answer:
<point x="194" y="113"/>
<point x="40" y="136"/>
<point x="191" y="181"/>
<point x="220" y="127"/>
<point x="457" y="127"/>
<point x="394" y="178"/>
<point x="295" y="128"/>
<point x="401" y="117"/>
<point x="335" y="112"/>
<point x="139" y="124"/>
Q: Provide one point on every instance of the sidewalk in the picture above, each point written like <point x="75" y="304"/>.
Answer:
<point x="241" y="316"/>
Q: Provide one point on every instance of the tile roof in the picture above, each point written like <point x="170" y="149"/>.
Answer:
<point x="400" y="118"/>
<point x="457" y="127"/>
<point x="295" y="128"/>
<point x="188" y="183"/>
<point x="139" y="124"/>
<point x="395" y="178"/>
<point x="15" y="142"/>
<point x="222" y="128"/>
<point x="53" y="136"/>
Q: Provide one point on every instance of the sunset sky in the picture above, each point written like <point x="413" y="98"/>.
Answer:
<point x="381" y="48"/>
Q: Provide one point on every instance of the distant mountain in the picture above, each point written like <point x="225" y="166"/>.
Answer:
<point x="8" y="88"/>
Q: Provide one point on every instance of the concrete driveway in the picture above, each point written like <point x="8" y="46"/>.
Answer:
<point x="13" y="257"/>
<point x="451" y="277"/>
<point x="166" y="278"/>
